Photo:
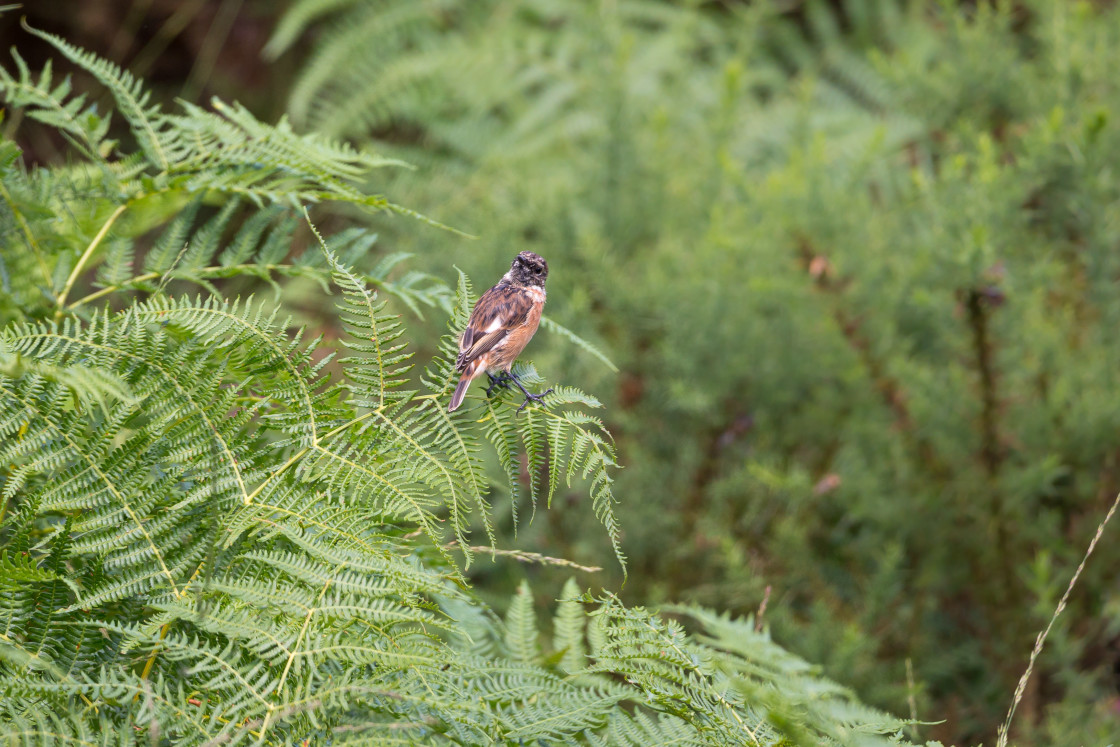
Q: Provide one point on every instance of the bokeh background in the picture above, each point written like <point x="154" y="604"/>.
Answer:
<point x="857" y="263"/>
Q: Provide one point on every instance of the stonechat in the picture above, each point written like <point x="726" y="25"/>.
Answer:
<point x="501" y="325"/>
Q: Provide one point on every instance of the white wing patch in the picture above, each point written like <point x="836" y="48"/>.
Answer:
<point x="494" y="325"/>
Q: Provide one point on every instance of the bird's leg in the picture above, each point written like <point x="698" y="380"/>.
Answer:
<point x="528" y="395"/>
<point x="501" y="380"/>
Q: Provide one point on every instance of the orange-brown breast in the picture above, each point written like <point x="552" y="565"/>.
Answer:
<point x="504" y="356"/>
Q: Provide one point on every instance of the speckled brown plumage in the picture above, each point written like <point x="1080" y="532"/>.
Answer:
<point x="502" y="323"/>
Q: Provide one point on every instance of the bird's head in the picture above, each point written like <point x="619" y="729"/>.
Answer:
<point x="528" y="269"/>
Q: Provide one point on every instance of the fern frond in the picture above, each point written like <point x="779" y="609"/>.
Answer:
<point x="374" y="337"/>
<point x="227" y="151"/>
<point x="752" y="661"/>
<point x="521" y="627"/>
<point x="132" y="100"/>
<point x="90" y="384"/>
<point x="568" y="629"/>
<point x="297" y="17"/>
<point x="554" y="326"/>
<point x="54" y="105"/>
<point x="678" y="677"/>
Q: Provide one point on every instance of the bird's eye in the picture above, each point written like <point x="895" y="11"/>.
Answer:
<point x="537" y="270"/>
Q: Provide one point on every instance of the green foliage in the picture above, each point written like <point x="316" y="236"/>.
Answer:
<point x="211" y="531"/>
<point x="857" y="263"/>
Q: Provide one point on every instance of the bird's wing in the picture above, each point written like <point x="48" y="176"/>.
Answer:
<point x="501" y="310"/>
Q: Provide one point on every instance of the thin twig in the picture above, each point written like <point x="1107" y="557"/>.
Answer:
<point x="911" y="699"/>
<point x="762" y="610"/>
<point x="1022" y="686"/>
<point x="166" y="275"/>
<point x="527" y="557"/>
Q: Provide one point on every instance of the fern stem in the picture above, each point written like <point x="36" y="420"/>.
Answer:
<point x="85" y="258"/>
<point x="183" y="592"/>
<point x="295" y="648"/>
<point x="299" y="455"/>
<point x="154" y="275"/>
<point x="112" y="289"/>
<point x="346" y="425"/>
<point x="152" y="658"/>
<point x="279" y="471"/>
<point x="31" y="242"/>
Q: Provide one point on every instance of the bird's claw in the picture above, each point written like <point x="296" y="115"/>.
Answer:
<point x="501" y="381"/>
<point x="534" y="398"/>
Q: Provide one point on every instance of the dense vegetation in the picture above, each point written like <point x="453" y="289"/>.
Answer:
<point x="858" y="267"/>
<point x="204" y="540"/>
<point x="856" y="264"/>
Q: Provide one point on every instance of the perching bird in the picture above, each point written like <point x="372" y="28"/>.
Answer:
<point x="501" y="325"/>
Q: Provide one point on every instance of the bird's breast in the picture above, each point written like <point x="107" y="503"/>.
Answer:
<point x="505" y="354"/>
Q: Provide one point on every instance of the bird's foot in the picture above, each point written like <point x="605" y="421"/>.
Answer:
<point x="500" y="381"/>
<point x="534" y="398"/>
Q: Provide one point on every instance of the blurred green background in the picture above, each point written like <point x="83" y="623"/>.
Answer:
<point x="857" y="262"/>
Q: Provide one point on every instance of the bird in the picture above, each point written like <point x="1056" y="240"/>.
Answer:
<point x="500" y="326"/>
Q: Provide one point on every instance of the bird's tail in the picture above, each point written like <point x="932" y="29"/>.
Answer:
<point x="464" y="382"/>
<point x="460" y="392"/>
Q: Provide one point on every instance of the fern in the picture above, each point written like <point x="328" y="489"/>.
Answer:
<point x="199" y="154"/>
<point x="53" y="105"/>
<point x="568" y="630"/>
